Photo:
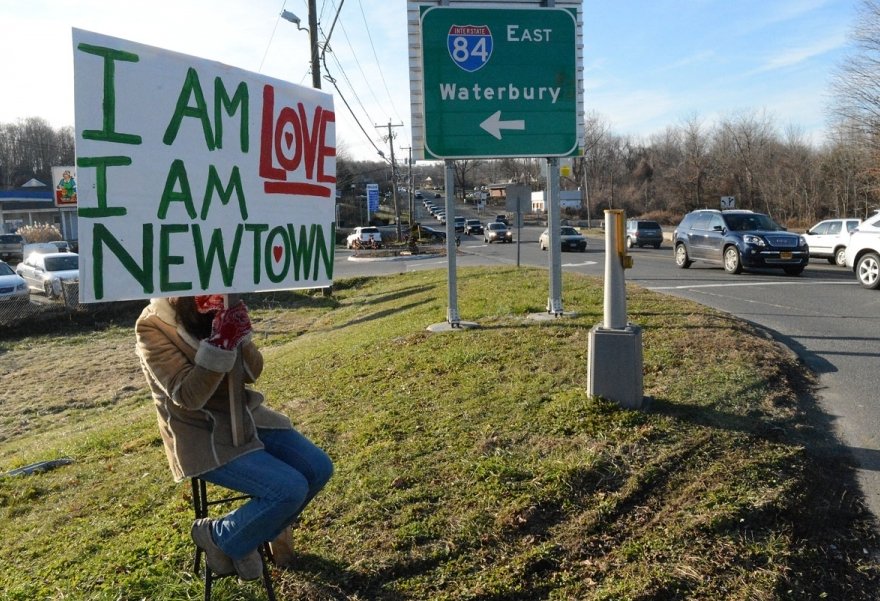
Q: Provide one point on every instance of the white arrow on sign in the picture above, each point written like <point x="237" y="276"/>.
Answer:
<point x="494" y="125"/>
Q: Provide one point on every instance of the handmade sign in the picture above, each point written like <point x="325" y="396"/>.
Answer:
<point x="195" y="177"/>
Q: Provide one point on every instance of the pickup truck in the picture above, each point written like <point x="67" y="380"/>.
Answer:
<point x="364" y="237"/>
<point x="11" y="247"/>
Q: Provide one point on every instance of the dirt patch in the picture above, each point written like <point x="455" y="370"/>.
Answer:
<point x="38" y="385"/>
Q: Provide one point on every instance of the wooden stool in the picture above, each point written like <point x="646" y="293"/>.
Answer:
<point x="201" y="505"/>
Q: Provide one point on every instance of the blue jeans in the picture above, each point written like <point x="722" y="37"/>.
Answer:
<point x="281" y="479"/>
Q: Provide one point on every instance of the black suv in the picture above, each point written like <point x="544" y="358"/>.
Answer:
<point x="738" y="239"/>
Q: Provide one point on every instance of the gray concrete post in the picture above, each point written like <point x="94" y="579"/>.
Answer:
<point x="615" y="361"/>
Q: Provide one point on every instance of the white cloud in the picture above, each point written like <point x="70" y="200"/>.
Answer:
<point x="789" y="57"/>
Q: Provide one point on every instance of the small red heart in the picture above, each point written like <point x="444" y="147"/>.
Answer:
<point x="277" y="250"/>
<point x="288" y="137"/>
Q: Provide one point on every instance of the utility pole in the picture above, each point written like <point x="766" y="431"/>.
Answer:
<point x="313" y="43"/>
<point x="393" y="175"/>
<point x="409" y="185"/>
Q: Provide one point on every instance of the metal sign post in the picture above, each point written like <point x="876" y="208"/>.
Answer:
<point x="554" y="229"/>
<point x="517" y="195"/>
<point x="452" y="310"/>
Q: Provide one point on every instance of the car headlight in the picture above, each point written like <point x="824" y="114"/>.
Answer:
<point x="802" y="241"/>
<point x="20" y="287"/>
<point x="753" y="239"/>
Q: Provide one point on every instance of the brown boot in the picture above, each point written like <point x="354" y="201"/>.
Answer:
<point x="282" y="549"/>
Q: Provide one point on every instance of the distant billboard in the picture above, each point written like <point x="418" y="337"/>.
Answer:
<point x="65" y="186"/>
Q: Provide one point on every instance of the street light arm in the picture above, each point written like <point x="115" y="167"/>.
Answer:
<point x="289" y="16"/>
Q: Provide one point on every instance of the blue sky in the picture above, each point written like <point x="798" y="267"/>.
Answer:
<point x="653" y="64"/>
<point x="648" y="64"/>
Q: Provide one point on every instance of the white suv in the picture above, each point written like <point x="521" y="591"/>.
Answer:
<point x="828" y="239"/>
<point x="863" y="252"/>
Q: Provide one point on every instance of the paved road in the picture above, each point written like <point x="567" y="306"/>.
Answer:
<point x="824" y="316"/>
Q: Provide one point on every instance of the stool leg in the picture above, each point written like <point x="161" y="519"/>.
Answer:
<point x="209" y="579"/>
<point x="267" y="577"/>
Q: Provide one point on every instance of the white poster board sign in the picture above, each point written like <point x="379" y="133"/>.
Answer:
<point x="195" y="177"/>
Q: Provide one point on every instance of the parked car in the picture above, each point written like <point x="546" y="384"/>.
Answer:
<point x="497" y="232"/>
<point x="56" y="246"/>
<point x="11" y="247"/>
<point x="45" y="272"/>
<point x="13" y="288"/>
<point x="431" y="234"/>
<point x="473" y="226"/>
<point x="570" y="238"/>
<point x="828" y="239"/>
<point x="459" y="225"/>
<point x="366" y="235"/>
<point x="863" y="252"/>
<point x="736" y="240"/>
<point x="642" y="232"/>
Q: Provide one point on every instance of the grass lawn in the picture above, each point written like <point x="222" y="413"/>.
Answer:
<point x="469" y="465"/>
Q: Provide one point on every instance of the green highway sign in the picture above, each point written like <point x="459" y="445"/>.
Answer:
<point x="499" y="82"/>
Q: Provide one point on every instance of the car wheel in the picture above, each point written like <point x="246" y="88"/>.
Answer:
<point x="732" y="262"/>
<point x="868" y="271"/>
<point x="840" y="256"/>
<point x="47" y="288"/>
<point x="629" y="242"/>
<point x="793" y="270"/>
<point x="681" y="257"/>
<point x="657" y="245"/>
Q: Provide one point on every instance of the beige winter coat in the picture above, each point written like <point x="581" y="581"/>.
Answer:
<point x="190" y="390"/>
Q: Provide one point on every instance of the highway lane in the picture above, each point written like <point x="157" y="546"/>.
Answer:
<point x="823" y="315"/>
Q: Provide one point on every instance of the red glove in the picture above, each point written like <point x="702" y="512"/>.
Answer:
<point x="209" y="302"/>
<point x="230" y="326"/>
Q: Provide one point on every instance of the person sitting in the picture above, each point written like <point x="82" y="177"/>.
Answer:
<point x="187" y="348"/>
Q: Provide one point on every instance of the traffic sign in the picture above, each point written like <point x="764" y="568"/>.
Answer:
<point x="499" y="82"/>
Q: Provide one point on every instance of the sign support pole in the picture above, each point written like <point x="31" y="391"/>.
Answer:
<point x="235" y="382"/>
<point x="452" y="310"/>
<point x="554" y="227"/>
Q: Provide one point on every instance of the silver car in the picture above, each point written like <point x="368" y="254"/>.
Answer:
<point x="13" y="289"/>
<point x="45" y="272"/>
<point x="497" y="232"/>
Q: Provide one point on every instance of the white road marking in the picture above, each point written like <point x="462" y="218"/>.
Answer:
<point x="743" y="284"/>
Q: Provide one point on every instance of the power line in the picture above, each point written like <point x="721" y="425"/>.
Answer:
<point x="378" y="64"/>
<point x="332" y="80"/>
<point x="360" y="68"/>
<point x="271" y="37"/>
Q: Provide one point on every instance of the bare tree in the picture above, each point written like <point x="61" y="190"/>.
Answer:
<point x="857" y="83"/>
<point x="30" y="148"/>
<point x="744" y="147"/>
<point x="463" y="171"/>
